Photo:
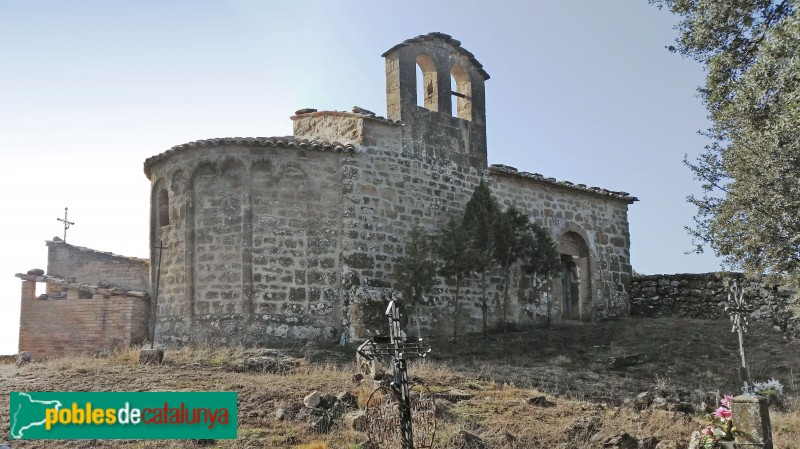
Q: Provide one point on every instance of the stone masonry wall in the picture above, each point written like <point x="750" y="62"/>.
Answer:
<point x="90" y="266"/>
<point x="277" y="243"/>
<point x="387" y="192"/>
<point x="50" y="328"/>
<point x="253" y="239"/>
<point x="705" y="296"/>
<point x="384" y="194"/>
<point x="601" y="222"/>
<point x="342" y="127"/>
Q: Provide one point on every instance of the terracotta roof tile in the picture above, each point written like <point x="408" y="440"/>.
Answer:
<point x="536" y="177"/>
<point x="288" y="141"/>
<point x="88" y="288"/>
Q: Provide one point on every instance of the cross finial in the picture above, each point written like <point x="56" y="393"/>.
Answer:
<point x="738" y="313"/>
<point x="67" y="223"/>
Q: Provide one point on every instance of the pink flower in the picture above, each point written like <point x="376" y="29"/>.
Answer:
<point x="726" y="401"/>
<point x="723" y="413"/>
<point x="708" y="431"/>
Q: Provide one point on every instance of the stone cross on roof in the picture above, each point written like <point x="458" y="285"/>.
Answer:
<point x="67" y="223"/>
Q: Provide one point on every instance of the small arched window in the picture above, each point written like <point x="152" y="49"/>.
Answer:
<point x="461" y="88"/>
<point x="430" y="87"/>
<point x="454" y="100"/>
<point x="163" y="208"/>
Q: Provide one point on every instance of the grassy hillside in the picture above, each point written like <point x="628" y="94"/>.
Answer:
<point x="588" y="376"/>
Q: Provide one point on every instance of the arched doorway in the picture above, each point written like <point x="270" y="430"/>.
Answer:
<point x="572" y="289"/>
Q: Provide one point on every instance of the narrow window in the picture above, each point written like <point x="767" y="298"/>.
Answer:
<point x="454" y="100"/>
<point x="430" y="86"/>
<point x="462" y="92"/>
<point x="420" y="88"/>
<point x="163" y="208"/>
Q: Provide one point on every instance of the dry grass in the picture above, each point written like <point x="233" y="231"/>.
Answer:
<point x="500" y="374"/>
<point x="314" y="445"/>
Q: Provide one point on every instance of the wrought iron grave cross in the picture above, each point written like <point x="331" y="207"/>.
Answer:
<point x="739" y="314"/>
<point x="398" y="347"/>
<point x="67" y="223"/>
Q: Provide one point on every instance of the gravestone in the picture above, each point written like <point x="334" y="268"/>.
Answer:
<point x="751" y="416"/>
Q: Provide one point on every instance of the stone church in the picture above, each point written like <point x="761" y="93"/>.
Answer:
<point x="274" y="238"/>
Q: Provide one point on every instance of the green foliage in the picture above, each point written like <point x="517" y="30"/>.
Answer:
<point x="540" y="257"/>
<point x="748" y="211"/>
<point x="511" y="236"/>
<point x="540" y="262"/>
<point x="415" y="271"/>
<point x="481" y="217"/>
<point x="454" y="252"/>
<point x="517" y="239"/>
<point x="487" y="238"/>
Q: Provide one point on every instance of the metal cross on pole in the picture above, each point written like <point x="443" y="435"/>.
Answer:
<point x="739" y="314"/>
<point x="154" y="302"/>
<point x="67" y="223"/>
<point x="398" y="347"/>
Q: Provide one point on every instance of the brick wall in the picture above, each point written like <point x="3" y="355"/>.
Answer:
<point x="90" y="266"/>
<point x="49" y="328"/>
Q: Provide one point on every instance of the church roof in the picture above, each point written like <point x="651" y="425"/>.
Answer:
<point x="104" y="289"/>
<point x="288" y="141"/>
<point x="446" y="38"/>
<point x="536" y="177"/>
<point x="58" y="241"/>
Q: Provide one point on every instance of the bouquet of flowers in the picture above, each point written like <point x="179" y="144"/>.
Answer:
<point x="771" y="389"/>
<point x="721" y="427"/>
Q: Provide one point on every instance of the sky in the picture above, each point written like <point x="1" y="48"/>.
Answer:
<point x="580" y="90"/>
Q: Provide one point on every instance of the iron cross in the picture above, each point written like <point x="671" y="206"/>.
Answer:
<point x="398" y="347"/>
<point x="67" y="223"/>
<point x="739" y="315"/>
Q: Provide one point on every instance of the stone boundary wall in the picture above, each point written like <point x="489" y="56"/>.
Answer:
<point x="705" y="295"/>
<point x="50" y="328"/>
<point x="94" y="267"/>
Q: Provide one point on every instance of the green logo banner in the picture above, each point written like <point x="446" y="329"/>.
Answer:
<point x="120" y="415"/>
